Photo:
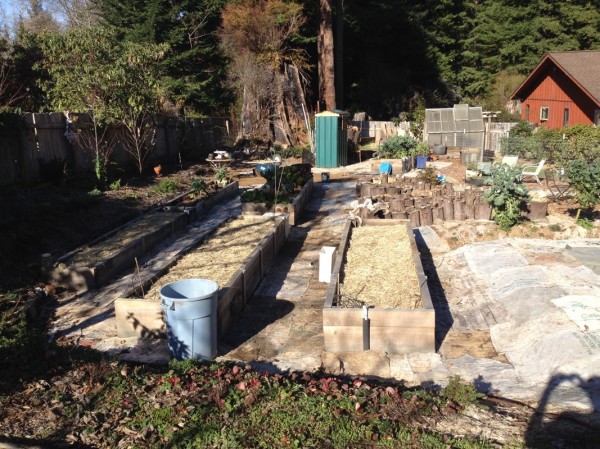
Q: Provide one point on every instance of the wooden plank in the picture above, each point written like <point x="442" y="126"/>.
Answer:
<point x="391" y="340"/>
<point x="139" y="318"/>
<point x="280" y="232"/>
<point x="252" y="273"/>
<point x="267" y="252"/>
<point x="231" y="302"/>
<point x="379" y="317"/>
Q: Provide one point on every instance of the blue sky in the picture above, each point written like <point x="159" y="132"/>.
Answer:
<point x="8" y="6"/>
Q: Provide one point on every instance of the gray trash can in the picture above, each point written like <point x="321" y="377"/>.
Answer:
<point x="190" y="307"/>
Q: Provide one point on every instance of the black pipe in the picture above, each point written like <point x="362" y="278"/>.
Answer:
<point x="366" y="329"/>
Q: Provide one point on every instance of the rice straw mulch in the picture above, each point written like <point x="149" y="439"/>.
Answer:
<point x="218" y="257"/>
<point x="380" y="270"/>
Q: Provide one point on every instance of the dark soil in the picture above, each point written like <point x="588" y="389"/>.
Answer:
<point x="57" y="218"/>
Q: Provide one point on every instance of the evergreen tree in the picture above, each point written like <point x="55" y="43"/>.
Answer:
<point x="194" y="66"/>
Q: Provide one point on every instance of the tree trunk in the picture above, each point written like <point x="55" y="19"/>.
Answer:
<point x="339" y="53"/>
<point x="326" y="57"/>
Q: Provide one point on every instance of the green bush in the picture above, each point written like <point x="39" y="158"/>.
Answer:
<point x="585" y="178"/>
<point x="555" y="145"/>
<point x="521" y="129"/>
<point x="198" y="186"/>
<point x="115" y="185"/>
<point x="263" y="196"/>
<point x="459" y="392"/>
<point x="165" y="186"/>
<point x="398" y="147"/>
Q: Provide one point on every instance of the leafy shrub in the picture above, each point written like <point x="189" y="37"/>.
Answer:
<point x="398" y="147"/>
<point x="521" y="129"/>
<point x="263" y="196"/>
<point x="585" y="178"/>
<point x="198" y="185"/>
<point x="165" y="186"/>
<point x="556" y="145"/>
<point x="115" y="185"/>
<point x="459" y="392"/>
<point x="429" y="175"/>
<point x="221" y="173"/>
<point x="506" y="195"/>
<point x="95" y="193"/>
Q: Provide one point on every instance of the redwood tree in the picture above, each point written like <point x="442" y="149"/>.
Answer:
<point x="326" y="57"/>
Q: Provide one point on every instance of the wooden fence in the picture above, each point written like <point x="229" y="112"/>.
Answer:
<point x="41" y="144"/>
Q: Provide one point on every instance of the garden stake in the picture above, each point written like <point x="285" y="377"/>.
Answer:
<point x="137" y="268"/>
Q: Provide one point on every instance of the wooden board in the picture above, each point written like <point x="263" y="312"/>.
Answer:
<point x="139" y="318"/>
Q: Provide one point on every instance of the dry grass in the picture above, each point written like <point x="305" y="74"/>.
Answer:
<point x="220" y="256"/>
<point x="380" y="270"/>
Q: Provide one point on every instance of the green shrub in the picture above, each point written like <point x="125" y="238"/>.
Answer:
<point x="115" y="185"/>
<point x="459" y="392"/>
<point x="556" y="145"/>
<point x="263" y="196"/>
<point x="398" y="147"/>
<point x="221" y="173"/>
<point x="198" y="186"/>
<point x="95" y="192"/>
<point x="521" y="129"/>
<point x="585" y="178"/>
<point x="166" y="187"/>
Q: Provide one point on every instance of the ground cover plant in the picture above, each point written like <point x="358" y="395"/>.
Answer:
<point x="101" y="403"/>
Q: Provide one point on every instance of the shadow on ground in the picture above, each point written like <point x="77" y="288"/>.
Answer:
<point x="443" y="317"/>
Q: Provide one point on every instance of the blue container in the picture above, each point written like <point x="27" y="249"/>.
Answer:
<point x="421" y="161"/>
<point x="385" y="167"/>
<point x="190" y="307"/>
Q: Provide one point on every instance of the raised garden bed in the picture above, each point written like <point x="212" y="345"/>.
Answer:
<point x="236" y="256"/>
<point x="389" y="278"/>
<point x="294" y="208"/>
<point x="93" y="265"/>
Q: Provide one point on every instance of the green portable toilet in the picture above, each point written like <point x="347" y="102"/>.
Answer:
<point x="331" y="139"/>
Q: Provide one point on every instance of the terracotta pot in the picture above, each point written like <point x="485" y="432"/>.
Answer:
<point x="158" y="170"/>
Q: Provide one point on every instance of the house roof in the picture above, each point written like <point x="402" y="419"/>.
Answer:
<point x="582" y="67"/>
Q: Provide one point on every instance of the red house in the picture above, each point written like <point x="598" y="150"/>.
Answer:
<point x="563" y="90"/>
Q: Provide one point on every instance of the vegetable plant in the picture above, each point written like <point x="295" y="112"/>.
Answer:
<point x="221" y="174"/>
<point x="585" y="178"/>
<point x="398" y="147"/>
<point x="505" y="195"/>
